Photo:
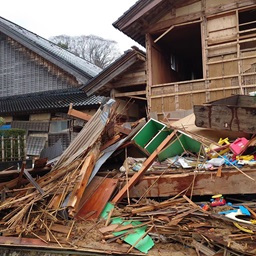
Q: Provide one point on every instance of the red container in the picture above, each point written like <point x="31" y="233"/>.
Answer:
<point x="238" y="145"/>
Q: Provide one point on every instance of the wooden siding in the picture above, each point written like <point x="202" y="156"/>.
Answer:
<point x="22" y="71"/>
<point x="228" y="54"/>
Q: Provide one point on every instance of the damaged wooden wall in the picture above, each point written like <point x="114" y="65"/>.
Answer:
<point x="199" y="52"/>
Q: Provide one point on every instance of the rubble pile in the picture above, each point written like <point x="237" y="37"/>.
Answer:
<point x="134" y="189"/>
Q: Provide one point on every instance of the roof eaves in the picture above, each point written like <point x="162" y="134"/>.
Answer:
<point x="130" y="57"/>
<point x="135" y="22"/>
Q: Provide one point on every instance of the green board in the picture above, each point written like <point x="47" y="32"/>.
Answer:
<point x="178" y="146"/>
<point x="147" y="132"/>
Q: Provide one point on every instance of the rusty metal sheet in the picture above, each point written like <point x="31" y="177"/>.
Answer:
<point x="95" y="197"/>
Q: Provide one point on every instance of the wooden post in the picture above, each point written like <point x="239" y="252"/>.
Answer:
<point x="19" y="139"/>
<point x="2" y="143"/>
<point x="11" y="149"/>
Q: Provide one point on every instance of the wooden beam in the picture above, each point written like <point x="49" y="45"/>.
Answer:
<point x="138" y="98"/>
<point x="127" y="94"/>
<point x="21" y="241"/>
<point x="78" y="114"/>
<point x="162" y="35"/>
<point x="204" y="183"/>
<point x="135" y="178"/>
<point x="174" y="26"/>
<point x="79" y="188"/>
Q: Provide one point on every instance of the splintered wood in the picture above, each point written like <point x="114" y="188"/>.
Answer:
<point x="71" y="206"/>
<point x="181" y="220"/>
<point x="44" y="207"/>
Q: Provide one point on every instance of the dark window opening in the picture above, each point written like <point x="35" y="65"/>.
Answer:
<point x="21" y="118"/>
<point x="183" y="50"/>
<point x="247" y="29"/>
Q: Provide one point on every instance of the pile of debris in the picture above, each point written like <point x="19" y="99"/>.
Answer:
<point x="88" y="198"/>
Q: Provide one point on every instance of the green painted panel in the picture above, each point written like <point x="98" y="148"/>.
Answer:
<point x="192" y="145"/>
<point x="156" y="141"/>
<point x="147" y="132"/>
<point x="177" y="147"/>
<point x="173" y="149"/>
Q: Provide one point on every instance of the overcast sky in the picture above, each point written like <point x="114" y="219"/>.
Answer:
<point x="78" y="17"/>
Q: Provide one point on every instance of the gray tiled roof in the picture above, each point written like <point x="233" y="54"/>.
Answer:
<point x="48" y="47"/>
<point x="58" y="100"/>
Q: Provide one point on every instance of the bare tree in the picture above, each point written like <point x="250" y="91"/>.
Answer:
<point x="96" y="50"/>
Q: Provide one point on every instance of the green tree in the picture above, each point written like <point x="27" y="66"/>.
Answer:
<point x="2" y="121"/>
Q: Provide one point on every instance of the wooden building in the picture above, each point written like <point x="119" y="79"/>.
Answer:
<point x="125" y="81"/>
<point x="197" y="50"/>
<point x="39" y="80"/>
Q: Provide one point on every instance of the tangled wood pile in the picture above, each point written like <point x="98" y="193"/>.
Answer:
<point x="73" y="205"/>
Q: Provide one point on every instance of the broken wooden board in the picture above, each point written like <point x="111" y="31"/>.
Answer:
<point x="78" y="114"/>
<point x="202" y="183"/>
<point x="235" y="113"/>
<point x="245" y="248"/>
<point x="85" y="173"/>
<point x="95" y="197"/>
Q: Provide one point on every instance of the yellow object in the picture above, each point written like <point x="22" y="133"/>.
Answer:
<point x="222" y="152"/>
<point x="253" y="221"/>
<point x="217" y="196"/>
<point x="247" y="157"/>
<point x="222" y="141"/>
<point x="243" y="229"/>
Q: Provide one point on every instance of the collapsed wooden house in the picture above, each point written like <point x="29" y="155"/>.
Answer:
<point x="58" y="207"/>
<point x="49" y="206"/>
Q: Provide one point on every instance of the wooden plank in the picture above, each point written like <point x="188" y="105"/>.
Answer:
<point x="95" y="197"/>
<point x="225" y="114"/>
<point x="109" y="228"/>
<point x="205" y="183"/>
<point x="127" y="94"/>
<point x="21" y="241"/>
<point x="85" y="174"/>
<point x="135" y="178"/>
<point x="78" y="114"/>
<point x="161" y="205"/>
<point x="60" y="228"/>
